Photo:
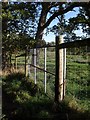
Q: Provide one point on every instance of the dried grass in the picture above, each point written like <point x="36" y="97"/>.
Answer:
<point x="11" y="70"/>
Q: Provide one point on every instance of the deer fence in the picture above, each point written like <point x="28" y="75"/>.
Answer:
<point x="63" y="69"/>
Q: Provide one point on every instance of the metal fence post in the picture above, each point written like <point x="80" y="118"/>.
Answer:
<point x="29" y="73"/>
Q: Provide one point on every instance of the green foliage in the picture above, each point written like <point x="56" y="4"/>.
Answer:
<point x="16" y="18"/>
<point x="43" y="114"/>
<point x="82" y="19"/>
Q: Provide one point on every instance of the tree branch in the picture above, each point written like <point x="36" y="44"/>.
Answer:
<point x="61" y="12"/>
<point x="82" y="21"/>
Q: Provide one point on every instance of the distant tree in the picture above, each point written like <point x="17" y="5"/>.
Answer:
<point x="82" y="19"/>
<point x="15" y="25"/>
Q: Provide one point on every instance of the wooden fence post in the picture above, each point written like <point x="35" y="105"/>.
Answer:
<point x="26" y="64"/>
<point x="35" y="60"/>
<point x="15" y="62"/>
<point x="64" y="79"/>
<point x="45" y="77"/>
<point x="25" y="61"/>
<point x="29" y="63"/>
<point x="59" y="71"/>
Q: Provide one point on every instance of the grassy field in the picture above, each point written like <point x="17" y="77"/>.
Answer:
<point x="78" y="77"/>
<point x="30" y="99"/>
<point x="78" y="84"/>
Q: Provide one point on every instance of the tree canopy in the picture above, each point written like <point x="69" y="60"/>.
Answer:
<point x="21" y="19"/>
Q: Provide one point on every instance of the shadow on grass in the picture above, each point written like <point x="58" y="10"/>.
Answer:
<point x="22" y="100"/>
<point x="42" y="109"/>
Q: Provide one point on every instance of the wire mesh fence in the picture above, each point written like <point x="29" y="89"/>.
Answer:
<point x="45" y="69"/>
<point x="78" y="76"/>
<point x="77" y="72"/>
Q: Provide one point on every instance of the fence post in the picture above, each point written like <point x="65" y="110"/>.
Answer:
<point x="26" y="64"/>
<point x="29" y="64"/>
<point x="59" y="71"/>
<point x="64" y="79"/>
<point x="35" y="65"/>
<point x="45" y="68"/>
<point x="25" y="61"/>
<point x="15" y="62"/>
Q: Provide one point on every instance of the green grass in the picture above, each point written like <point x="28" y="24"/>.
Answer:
<point x="23" y="100"/>
<point x="20" y="95"/>
<point x="78" y="81"/>
<point x="35" y="104"/>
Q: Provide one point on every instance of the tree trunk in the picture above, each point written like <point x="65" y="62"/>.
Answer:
<point x="5" y="60"/>
<point x="41" y="23"/>
<point x="40" y="31"/>
<point x="4" y="31"/>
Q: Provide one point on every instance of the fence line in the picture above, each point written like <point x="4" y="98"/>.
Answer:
<point x="36" y="67"/>
<point x="42" y="69"/>
<point x="72" y="44"/>
<point x="60" y="75"/>
<point x="61" y="64"/>
<point x="77" y="43"/>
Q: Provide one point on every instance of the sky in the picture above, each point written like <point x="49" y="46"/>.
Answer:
<point x="51" y="37"/>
